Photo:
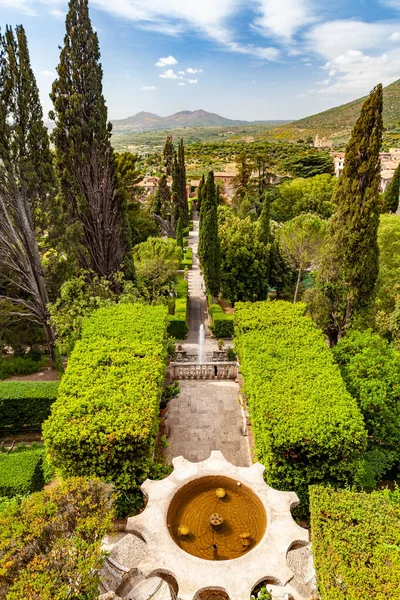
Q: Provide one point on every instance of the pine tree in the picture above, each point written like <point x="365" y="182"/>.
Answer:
<point x="241" y="180"/>
<point x="179" y="233"/>
<point x="350" y="269"/>
<point x="27" y="182"/>
<point x="392" y="193"/>
<point x="209" y="246"/>
<point x="200" y="191"/>
<point x="84" y="156"/>
<point x="169" y="153"/>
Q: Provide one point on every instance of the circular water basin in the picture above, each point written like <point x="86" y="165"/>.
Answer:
<point x="214" y="526"/>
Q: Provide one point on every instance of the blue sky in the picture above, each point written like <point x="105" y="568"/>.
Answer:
<point x="244" y="59"/>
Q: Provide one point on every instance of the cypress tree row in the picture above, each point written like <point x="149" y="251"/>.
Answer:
<point x="392" y="193"/>
<point x="209" y="246"/>
<point x="27" y="185"/>
<point x="84" y="156"/>
<point x="350" y="269"/>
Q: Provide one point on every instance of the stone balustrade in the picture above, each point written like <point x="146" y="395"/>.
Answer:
<point x="215" y="370"/>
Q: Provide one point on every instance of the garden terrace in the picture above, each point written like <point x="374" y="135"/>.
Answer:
<point x="355" y="539"/>
<point x="307" y="427"/>
<point x="105" y="419"/>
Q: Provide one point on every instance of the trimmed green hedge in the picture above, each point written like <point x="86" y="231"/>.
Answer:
<point x="187" y="261"/>
<point x="105" y="419"/>
<point x="21" y="473"/>
<point x="177" y="326"/>
<point x="356" y="543"/>
<point x="25" y="404"/>
<point x="307" y="427"/>
<point x="19" y="365"/>
<point x="222" y="323"/>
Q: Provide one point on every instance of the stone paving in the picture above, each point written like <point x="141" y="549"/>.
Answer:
<point x="206" y="415"/>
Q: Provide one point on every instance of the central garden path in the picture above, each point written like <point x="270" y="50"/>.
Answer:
<point x="206" y="415"/>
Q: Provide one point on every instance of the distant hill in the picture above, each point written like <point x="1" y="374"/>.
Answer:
<point x="337" y="122"/>
<point x="145" y="121"/>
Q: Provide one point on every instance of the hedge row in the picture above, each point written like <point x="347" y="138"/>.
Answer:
<point x="221" y="322"/>
<point x="177" y="326"/>
<point x="105" y="418"/>
<point x="21" y="473"/>
<point x="307" y="427"/>
<point x="19" y="365"/>
<point x="187" y="261"/>
<point x="356" y="543"/>
<point x="25" y="404"/>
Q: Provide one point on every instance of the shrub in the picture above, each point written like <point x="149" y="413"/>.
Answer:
<point x="187" y="261"/>
<point x="177" y="327"/>
<point x="19" y="365"/>
<point x="307" y="427"/>
<point x="105" y="419"/>
<point x="355" y="538"/>
<point x="222" y="323"/>
<point x="50" y="542"/>
<point x="21" y="473"/>
<point x="25" y="404"/>
<point x="370" y="367"/>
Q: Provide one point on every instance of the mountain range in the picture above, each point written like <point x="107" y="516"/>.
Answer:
<point x="145" y="121"/>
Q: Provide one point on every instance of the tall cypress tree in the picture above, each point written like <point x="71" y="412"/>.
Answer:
<point x="209" y="246"/>
<point x="264" y="220"/>
<point x="392" y="193"/>
<point x="200" y="191"/>
<point x="84" y="156"/>
<point x="350" y="269"/>
<point x="27" y="182"/>
<point x="184" y="208"/>
<point x="169" y="153"/>
<point x="179" y="233"/>
<point x="162" y="203"/>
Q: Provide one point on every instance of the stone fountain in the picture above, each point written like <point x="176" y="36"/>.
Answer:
<point x="214" y="526"/>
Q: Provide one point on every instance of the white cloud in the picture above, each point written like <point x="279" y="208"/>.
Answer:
<point x="193" y="71"/>
<point x="192" y="80"/>
<point x="282" y="18"/>
<point x="180" y="83"/>
<point x="170" y="74"/>
<point x="167" y="61"/>
<point x="148" y="87"/>
<point x="395" y="37"/>
<point x="48" y="73"/>
<point x="336" y="37"/>
<point x="181" y="72"/>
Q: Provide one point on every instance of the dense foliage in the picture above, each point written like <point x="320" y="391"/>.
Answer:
<point x="21" y="473"/>
<point x="157" y="261"/>
<point x="244" y="258"/>
<point x="25" y="404"/>
<point x="355" y="538"/>
<point x="371" y="370"/>
<point x="19" y="365"/>
<point x="313" y="194"/>
<point x="391" y="197"/>
<point x="105" y="418"/>
<point x="221" y="322"/>
<point x="307" y="428"/>
<point x="50" y="542"/>
<point x="177" y="326"/>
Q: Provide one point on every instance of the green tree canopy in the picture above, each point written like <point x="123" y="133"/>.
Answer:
<point x="313" y="194"/>
<point x="157" y="261"/>
<point x="391" y="200"/>
<point x="244" y="258"/>
<point x="371" y="370"/>
<point x="301" y="240"/>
